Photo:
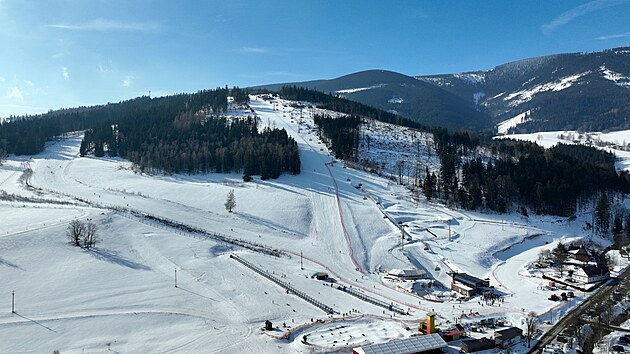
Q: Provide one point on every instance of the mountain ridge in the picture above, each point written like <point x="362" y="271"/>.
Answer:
<point x="400" y="94"/>
<point x="566" y="91"/>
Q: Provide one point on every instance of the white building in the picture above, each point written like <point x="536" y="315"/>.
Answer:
<point x="591" y="274"/>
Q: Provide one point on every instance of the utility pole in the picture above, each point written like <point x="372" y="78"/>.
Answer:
<point x="449" y="230"/>
<point x="175" y="277"/>
<point x="300" y="122"/>
<point x="402" y="237"/>
<point x="13" y="302"/>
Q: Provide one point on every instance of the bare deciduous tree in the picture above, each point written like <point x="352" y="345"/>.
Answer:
<point x="82" y="234"/>
<point x="531" y="326"/>
<point x="230" y="203"/>
<point x="75" y="232"/>
<point x="90" y="238"/>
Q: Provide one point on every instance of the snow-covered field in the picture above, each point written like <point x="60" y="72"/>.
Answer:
<point x="121" y="296"/>
<point x="614" y="142"/>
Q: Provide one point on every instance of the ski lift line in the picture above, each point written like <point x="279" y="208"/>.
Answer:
<point x="343" y="225"/>
<point x="372" y="300"/>
<point x="285" y="285"/>
<point x="356" y="285"/>
<point x="183" y="229"/>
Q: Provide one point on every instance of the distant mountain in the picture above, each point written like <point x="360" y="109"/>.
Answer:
<point x="577" y="91"/>
<point x="415" y="99"/>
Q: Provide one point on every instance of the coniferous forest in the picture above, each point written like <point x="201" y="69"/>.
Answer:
<point x="186" y="133"/>
<point x="522" y="176"/>
<point x="342" y="133"/>
<point x="175" y="134"/>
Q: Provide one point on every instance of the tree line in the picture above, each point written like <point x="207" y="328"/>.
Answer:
<point x="26" y="135"/>
<point x="334" y="103"/>
<point x="341" y="133"/>
<point x="554" y="181"/>
<point x="519" y="176"/>
<point x="172" y="134"/>
<point x="196" y="142"/>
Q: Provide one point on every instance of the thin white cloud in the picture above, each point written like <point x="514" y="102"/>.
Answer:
<point x="65" y="73"/>
<point x="576" y="12"/>
<point x="29" y="83"/>
<point x="106" y="68"/>
<point x="2" y="79"/>
<point x="15" y="94"/>
<point x="255" y="50"/>
<point x="614" y="36"/>
<point x="107" y="25"/>
<point x="60" y="55"/>
<point x="128" y="81"/>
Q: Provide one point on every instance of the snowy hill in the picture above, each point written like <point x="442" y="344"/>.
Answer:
<point x="585" y="91"/>
<point x="332" y="218"/>
<point x="403" y="95"/>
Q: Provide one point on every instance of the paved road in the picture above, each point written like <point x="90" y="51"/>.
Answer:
<point x="601" y="294"/>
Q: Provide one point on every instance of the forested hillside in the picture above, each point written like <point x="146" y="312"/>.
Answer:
<point x="338" y="104"/>
<point x="477" y="173"/>
<point x="572" y="91"/>
<point x="184" y="133"/>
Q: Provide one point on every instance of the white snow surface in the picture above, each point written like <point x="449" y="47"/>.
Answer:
<point x="615" y="77"/>
<point x="520" y="97"/>
<point x="121" y="296"/>
<point x="353" y="90"/>
<point x="615" y="142"/>
<point x="395" y="100"/>
<point x="472" y="78"/>
<point x="506" y="125"/>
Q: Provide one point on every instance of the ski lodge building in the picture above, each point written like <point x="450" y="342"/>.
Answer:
<point x="468" y="285"/>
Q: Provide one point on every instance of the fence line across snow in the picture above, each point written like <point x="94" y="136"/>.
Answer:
<point x="285" y="285"/>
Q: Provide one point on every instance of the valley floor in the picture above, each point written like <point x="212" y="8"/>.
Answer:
<point x="121" y="295"/>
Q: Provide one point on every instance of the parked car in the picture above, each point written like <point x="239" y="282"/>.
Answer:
<point x="617" y="349"/>
<point x="554" y="297"/>
<point x="570" y="294"/>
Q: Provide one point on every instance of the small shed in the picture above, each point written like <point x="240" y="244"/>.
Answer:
<point x="453" y="333"/>
<point x="475" y="345"/>
<point x="407" y="273"/>
<point x="425" y="344"/>
<point x="320" y="276"/>
<point x="462" y="289"/>
<point x="268" y="325"/>
<point x="471" y="281"/>
<point x="508" y="337"/>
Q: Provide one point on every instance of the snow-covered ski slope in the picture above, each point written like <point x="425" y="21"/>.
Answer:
<point x="122" y="295"/>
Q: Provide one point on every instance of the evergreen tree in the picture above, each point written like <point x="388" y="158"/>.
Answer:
<point x="602" y="215"/>
<point x="560" y="255"/>
<point x="230" y="203"/>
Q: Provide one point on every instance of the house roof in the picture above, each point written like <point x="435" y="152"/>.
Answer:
<point x="407" y="272"/>
<point x="594" y="270"/>
<point x="467" y="279"/>
<point x="403" y="346"/>
<point x="508" y="333"/>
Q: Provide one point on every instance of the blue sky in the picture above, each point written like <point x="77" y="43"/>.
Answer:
<point x="80" y="52"/>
